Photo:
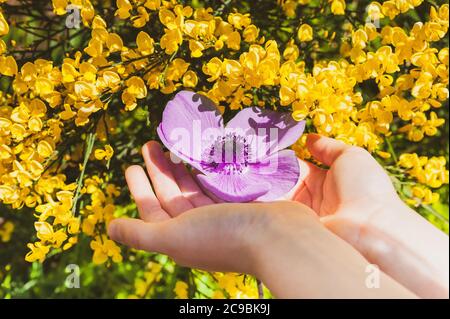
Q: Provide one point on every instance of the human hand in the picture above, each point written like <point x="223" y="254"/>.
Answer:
<point x="357" y="201"/>
<point x="350" y="193"/>
<point x="267" y="240"/>
<point x="174" y="223"/>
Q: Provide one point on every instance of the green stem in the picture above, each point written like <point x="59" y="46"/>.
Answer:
<point x="391" y="149"/>
<point x="435" y="213"/>
<point x="89" y="147"/>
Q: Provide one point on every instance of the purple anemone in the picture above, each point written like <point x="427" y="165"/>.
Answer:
<point x="246" y="160"/>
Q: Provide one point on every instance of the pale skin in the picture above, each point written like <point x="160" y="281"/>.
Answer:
<point x="315" y="243"/>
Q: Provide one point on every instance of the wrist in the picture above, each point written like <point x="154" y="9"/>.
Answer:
<point x="286" y="224"/>
<point x="365" y="224"/>
<point x="289" y="246"/>
<point x="408" y="248"/>
<point x="387" y="222"/>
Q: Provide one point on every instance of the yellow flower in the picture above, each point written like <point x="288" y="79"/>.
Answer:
<point x="114" y="42"/>
<point x="305" y="33"/>
<point x="6" y="230"/>
<point x="171" y="40"/>
<point x="67" y="114"/>
<point x="213" y="69"/>
<point x="59" y="6"/>
<point x="190" y="79"/>
<point x="251" y="33"/>
<point x="236" y="287"/>
<point x="4" y="27"/>
<point x="287" y="96"/>
<point x="145" y="44"/>
<point x="142" y="18"/>
<point x="423" y="195"/>
<point x="45" y="149"/>
<point x="104" y="154"/>
<point x="8" y="66"/>
<point x="239" y="21"/>
<point x="374" y="11"/>
<point x="196" y="48"/>
<point x="384" y="155"/>
<point x="428" y="171"/>
<point x="181" y="290"/>
<point x="124" y="7"/>
<point x="292" y="52"/>
<point x="103" y="249"/>
<point x="136" y="87"/>
<point x="337" y="7"/>
<point x="234" y="40"/>
<point x="85" y="91"/>
<point x="111" y="80"/>
<point x="38" y="252"/>
<point x="46" y="233"/>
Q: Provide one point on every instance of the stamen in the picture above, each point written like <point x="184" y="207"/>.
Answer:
<point x="228" y="155"/>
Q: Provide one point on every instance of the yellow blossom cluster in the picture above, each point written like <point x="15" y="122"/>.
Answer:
<point x="144" y="283"/>
<point x="87" y="11"/>
<point x="228" y="285"/>
<point x="200" y="30"/>
<point x="429" y="172"/>
<point x="235" y="286"/>
<point x="375" y="10"/>
<point x="391" y="8"/>
<point x="8" y="65"/>
<point x="337" y="7"/>
<point x="96" y="215"/>
<point x="329" y="96"/>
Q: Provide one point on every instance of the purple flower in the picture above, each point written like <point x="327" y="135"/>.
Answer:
<point x="243" y="161"/>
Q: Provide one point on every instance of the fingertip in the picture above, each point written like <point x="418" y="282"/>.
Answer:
<point x="133" y="169"/>
<point x="312" y="137"/>
<point x="113" y="229"/>
<point x="153" y="153"/>
<point x="325" y="149"/>
<point x="129" y="231"/>
<point x="151" y="146"/>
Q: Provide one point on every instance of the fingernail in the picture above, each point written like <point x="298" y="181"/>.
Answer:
<point x="112" y="230"/>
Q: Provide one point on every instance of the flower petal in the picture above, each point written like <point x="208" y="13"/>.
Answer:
<point x="274" y="130"/>
<point x="189" y="123"/>
<point x="234" y="188"/>
<point x="281" y="170"/>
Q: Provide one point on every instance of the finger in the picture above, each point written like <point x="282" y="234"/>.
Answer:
<point x="148" y="205"/>
<point x="188" y="186"/>
<point x="325" y="149"/>
<point x="139" y="235"/>
<point x="166" y="188"/>
<point x="310" y="190"/>
<point x="305" y="171"/>
<point x="204" y="238"/>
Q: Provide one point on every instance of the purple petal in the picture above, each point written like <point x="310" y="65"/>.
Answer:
<point x="189" y="122"/>
<point x="234" y="188"/>
<point x="281" y="170"/>
<point x="275" y="130"/>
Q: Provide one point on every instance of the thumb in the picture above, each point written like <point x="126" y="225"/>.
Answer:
<point x="325" y="149"/>
<point x="140" y="235"/>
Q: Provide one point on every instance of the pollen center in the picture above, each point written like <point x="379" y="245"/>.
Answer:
<point x="227" y="155"/>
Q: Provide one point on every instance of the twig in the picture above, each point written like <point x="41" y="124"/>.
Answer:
<point x="89" y="147"/>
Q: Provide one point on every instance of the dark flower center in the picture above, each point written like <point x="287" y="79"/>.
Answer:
<point x="228" y="155"/>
